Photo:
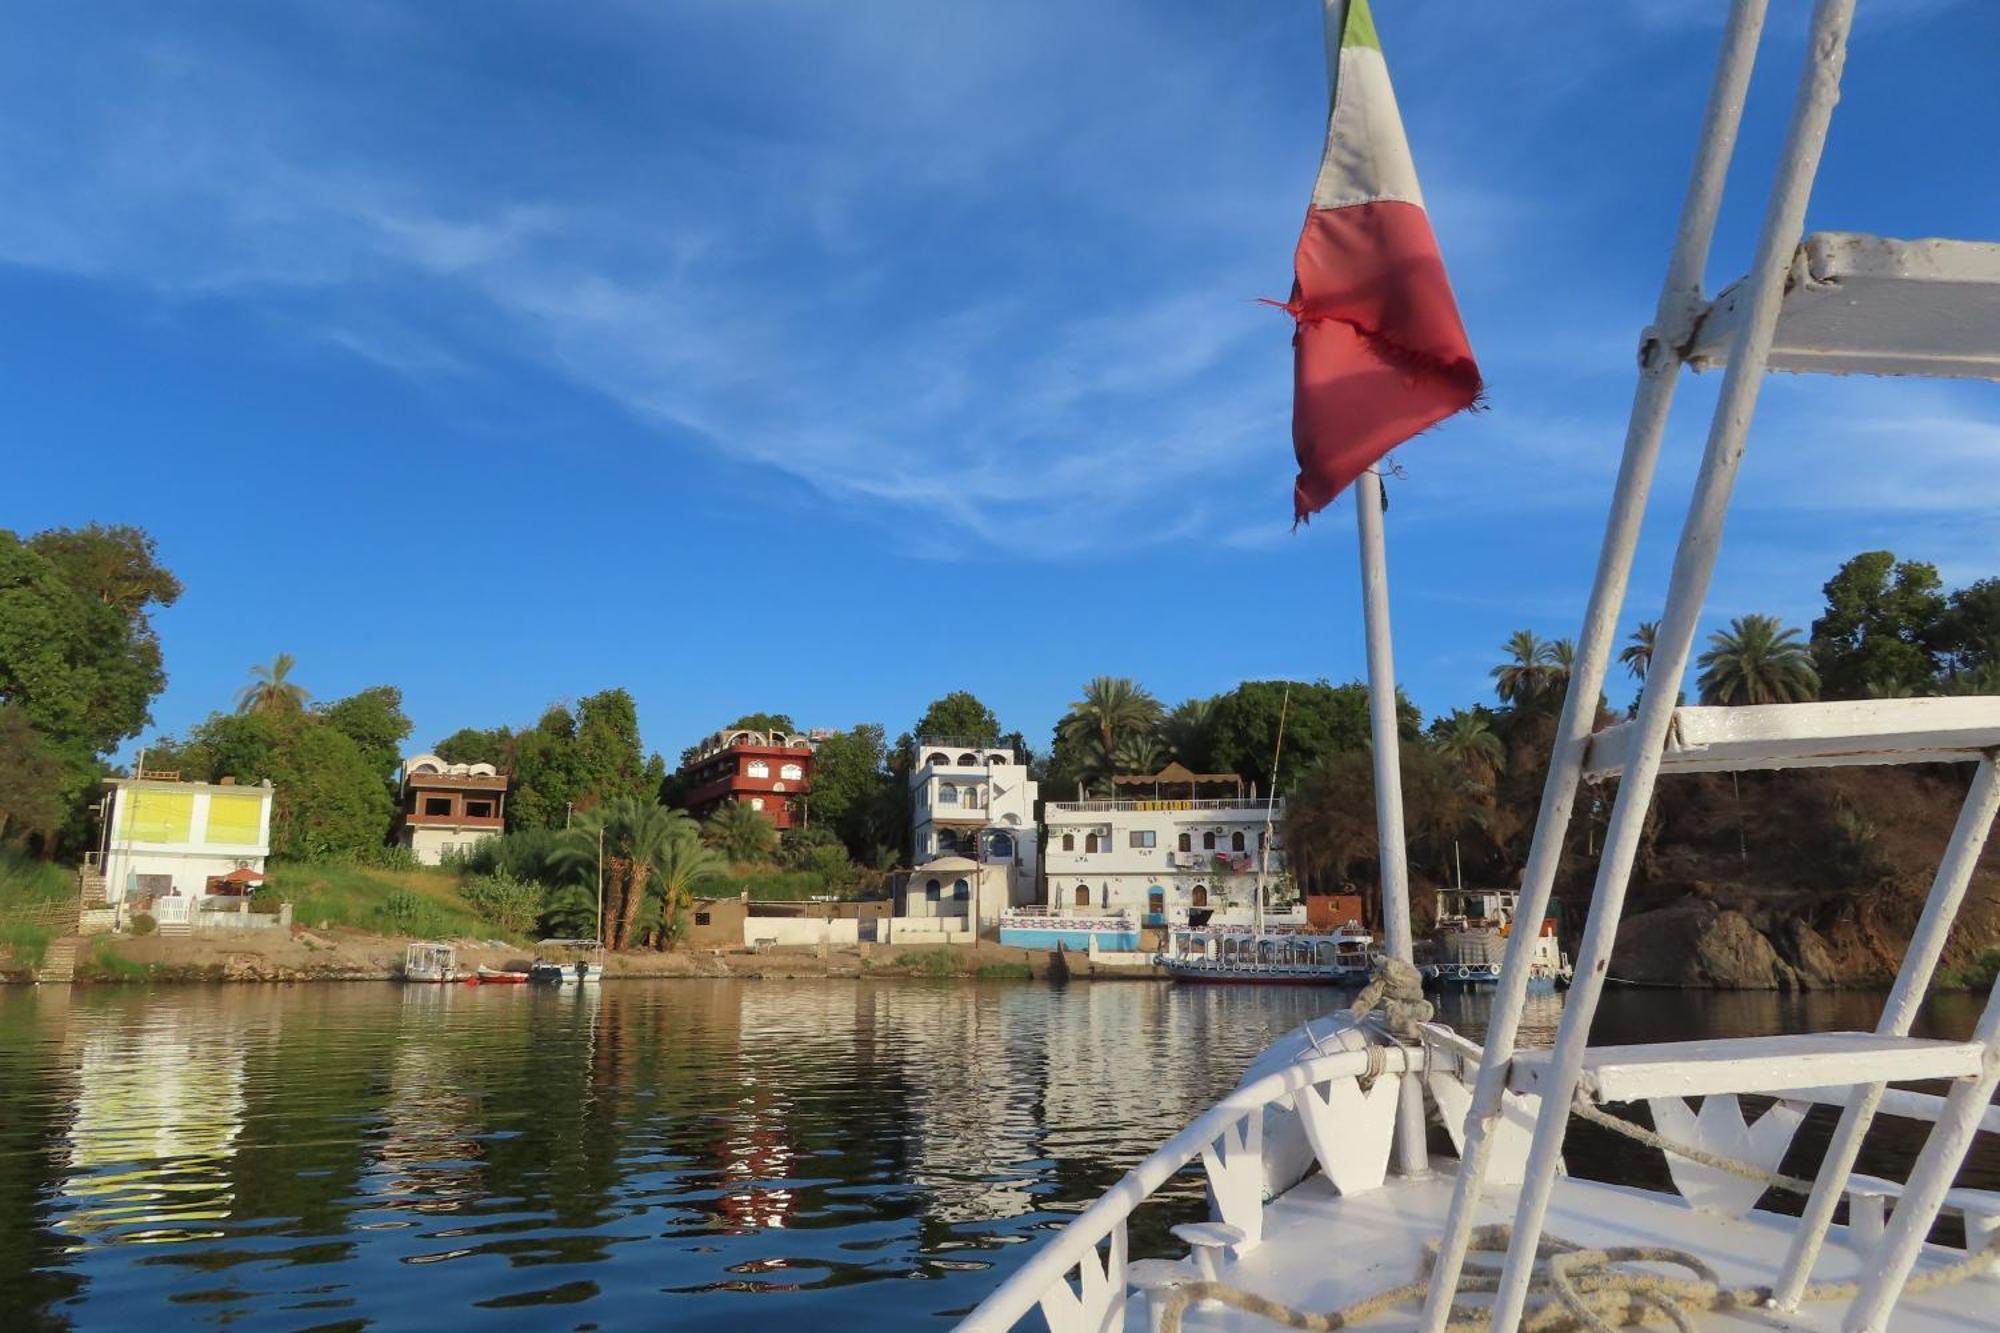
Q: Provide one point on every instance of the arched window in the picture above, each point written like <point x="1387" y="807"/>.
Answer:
<point x="1069" y="842"/>
<point x="947" y="840"/>
<point x="936" y="758"/>
<point x="961" y="889"/>
<point x="973" y="798"/>
<point x="931" y="890"/>
<point x="1156" y="904"/>
<point x="1090" y="842"/>
<point x="757" y="768"/>
<point x="947" y="795"/>
<point x="1200" y="896"/>
<point x="1236" y="841"/>
<point x="1208" y="842"/>
<point x="792" y="773"/>
<point x="1187" y="842"/>
<point x="756" y="803"/>
<point x="1083" y="895"/>
<point x="1000" y="846"/>
<point x="968" y="761"/>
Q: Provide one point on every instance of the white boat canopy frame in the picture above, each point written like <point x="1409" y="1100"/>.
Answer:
<point x="1836" y="303"/>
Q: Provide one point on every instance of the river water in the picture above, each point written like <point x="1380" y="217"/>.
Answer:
<point x="676" y="1154"/>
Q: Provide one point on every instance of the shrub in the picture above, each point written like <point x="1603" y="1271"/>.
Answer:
<point x="143" y="924"/>
<point x="266" y="900"/>
<point x="509" y="903"/>
<point x="391" y="856"/>
<point x="1005" y="972"/>
<point x="409" y="913"/>
<point x="943" y="961"/>
<point x="106" y="964"/>
<point x="26" y="942"/>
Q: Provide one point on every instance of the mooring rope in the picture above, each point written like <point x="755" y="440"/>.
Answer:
<point x="1397" y="989"/>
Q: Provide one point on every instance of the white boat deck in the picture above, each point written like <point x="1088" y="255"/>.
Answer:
<point x="1323" y="1251"/>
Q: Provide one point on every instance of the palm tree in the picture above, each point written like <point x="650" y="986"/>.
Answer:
<point x="1637" y="655"/>
<point x="641" y="841"/>
<point x="740" y="833"/>
<point x="271" y="690"/>
<point x="1112" y="707"/>
<point x="1189" y="731"/>
<point x="1562" y="661"/>
<point x="681" y="863"/>
<point x="1757" y="660"/>
<point x="1468" y="740"/>
<point x="1140" y="752"/>
<point x="1525" y="675"/>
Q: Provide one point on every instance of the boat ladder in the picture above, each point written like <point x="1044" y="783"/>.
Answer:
<point x="1831" y="302"/>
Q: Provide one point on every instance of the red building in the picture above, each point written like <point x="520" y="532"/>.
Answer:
<point x="771" y="772"/>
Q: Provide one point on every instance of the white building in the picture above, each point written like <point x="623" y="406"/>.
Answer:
<point x="449" y="808"/>
<point x="164" y="838"/>
<point x="1159" y="857"/>
<point x="976" y="801"/>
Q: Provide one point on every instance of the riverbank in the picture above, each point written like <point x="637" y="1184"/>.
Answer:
<point x="347" y="955"/>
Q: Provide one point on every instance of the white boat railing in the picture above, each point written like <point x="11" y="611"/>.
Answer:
<point x="1228" y="1140"/>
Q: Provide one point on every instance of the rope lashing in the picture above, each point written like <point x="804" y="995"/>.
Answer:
<point x="1583" y="1110"/>
<point x="1397" y="988"/>
<point x="1582" y="1289"/>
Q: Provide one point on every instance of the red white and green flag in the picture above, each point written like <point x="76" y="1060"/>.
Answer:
<point x="1380" y="353"/>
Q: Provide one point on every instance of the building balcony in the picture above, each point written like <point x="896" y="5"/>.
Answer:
<point x="1239" y="807"/>
<point x="455" y="821"/>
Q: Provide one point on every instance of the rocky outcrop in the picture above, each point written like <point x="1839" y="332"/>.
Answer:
<point x="1808" y="953"/>
<point x="1696" y="943"/>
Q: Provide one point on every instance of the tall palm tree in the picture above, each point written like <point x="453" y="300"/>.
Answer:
<point x="1757" y="660"/>
<point x="1524" y="676"/>
<point x="1111" y="708"/>
<point x="642" y="842"/>
<point x="1469" y="741"/>
<point x="1562" y="661"/>
<point x="740" y="833"/>
<point x="1140" y="752"/>
<point x="681" y="863"/>
<point x="1637" y="655"/>
<point x="271" y="690"/>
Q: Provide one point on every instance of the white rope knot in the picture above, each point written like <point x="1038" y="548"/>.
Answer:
<point x="1397" y="989"/>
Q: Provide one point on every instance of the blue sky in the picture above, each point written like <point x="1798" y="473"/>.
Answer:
<point x="824" y="357"/>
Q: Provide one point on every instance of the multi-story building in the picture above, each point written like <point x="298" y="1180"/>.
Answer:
<point x="166" y="838"/>
<point x="976" y="800"/>
<point x="1170" y="857"/>
<point x="769" y="771"/>
<point x="449" y="808"/>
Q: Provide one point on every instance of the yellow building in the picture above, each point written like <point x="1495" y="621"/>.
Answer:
<point x="166" y="838"/>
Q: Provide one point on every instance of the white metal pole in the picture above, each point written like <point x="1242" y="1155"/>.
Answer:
<point x="1390" y="854"/>
<point x="1887" y="1267"/>
<point x="1694" y="565"/>
<point x="1954" y="875"/>
<point x="1673" y="320"/>
<point x="600" y="887"/>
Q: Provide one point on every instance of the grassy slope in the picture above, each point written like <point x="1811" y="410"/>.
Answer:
<point x="387" y="902"/>
<point x="26" y="882"/>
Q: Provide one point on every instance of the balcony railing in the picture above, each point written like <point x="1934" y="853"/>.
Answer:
<point x="1168" y="803"/>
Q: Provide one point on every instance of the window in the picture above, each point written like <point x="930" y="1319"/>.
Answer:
<point x="974" y="798"/>
<point x="479" y="809"/>
<point x="756" y="803"/>
<point x="701" y="918"/>
<point x="1000" y="846"/>
<point x="757" y="768"/>
<point x="932" y="888"/>
<point x="936" y="758"/>
<point x="1089" y="842"/>
<point x="1200" y="896"/>
<point x="1069" y="842"/>
<point x="792" y="773"/>
<point x="961" y="889"/>
<point x="437" y="805"/>
<point x="1236" y="841"/>
<point x="947" y="795"/>
<point x="1083" y="895"/>
<point x="1208" y="842"/>
<point x="1187" y="842"/>
<point x="968" y="761"/>
<point x="1141" y="837"/>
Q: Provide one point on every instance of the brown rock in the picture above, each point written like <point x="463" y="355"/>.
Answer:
<point x="1694" y="943"/>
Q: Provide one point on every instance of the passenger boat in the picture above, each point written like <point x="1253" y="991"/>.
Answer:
<point x="568" y="963"/>
<point x="1326" y="1209"/>
<point x="1265" y="957"/>
<point x="1473" y="928"/>
<point x="430" y="963"/>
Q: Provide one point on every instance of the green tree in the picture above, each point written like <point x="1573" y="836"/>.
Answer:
<point x="1970" y="632"/>
<point x="1139" y="752"/>
<point x="77" y="650"/>
<point x="1112" y="709"/>
<point x="958" y="716"/>
<point x="763" y="722"/>
<point x="271" y="689"/>
<point x="1637" y="654"/>
<point x="547" y="775"/>
<point x="1882" y="627"/>
<point x="33" y="777"/>
<point x="473" y="745"/>
<point x="1320" y="720"/>
<point x="328" y="801"/>
<point x="1757" y="660"/>
<point x="374" y="720"/>
<point x="849" y="779"/>
<point x="652" y="856"/>
<point x="1467" y="739"/>
<point x="610" y="761"/>
<point x="1528" y="674"/>
<point x="1189" y="733"/>
<point x="741" y="834"/>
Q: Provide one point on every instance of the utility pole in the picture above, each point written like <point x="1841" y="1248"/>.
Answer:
<point x="600" y="887"/>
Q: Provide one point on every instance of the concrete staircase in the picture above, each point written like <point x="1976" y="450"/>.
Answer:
<point x="59" y="960"/>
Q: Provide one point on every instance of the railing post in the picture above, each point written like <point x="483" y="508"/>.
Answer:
<point x="1673" y="319"/>
<point x="1954" y="875"/>
<point x="1694" y="566"/>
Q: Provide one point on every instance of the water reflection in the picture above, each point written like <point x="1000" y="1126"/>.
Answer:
<point x="692" y="1153"/>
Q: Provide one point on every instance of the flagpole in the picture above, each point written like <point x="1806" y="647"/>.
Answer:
<point x="1394" y="869"/>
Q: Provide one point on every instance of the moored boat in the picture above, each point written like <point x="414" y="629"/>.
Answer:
<point x="494" y="976"/>
<point x="1263" y="957"/>
<point x="1470" y="945"/>
<point x="430" y="963"/>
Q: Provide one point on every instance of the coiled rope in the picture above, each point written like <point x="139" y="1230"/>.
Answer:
<point x="1580" y="1288"/>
